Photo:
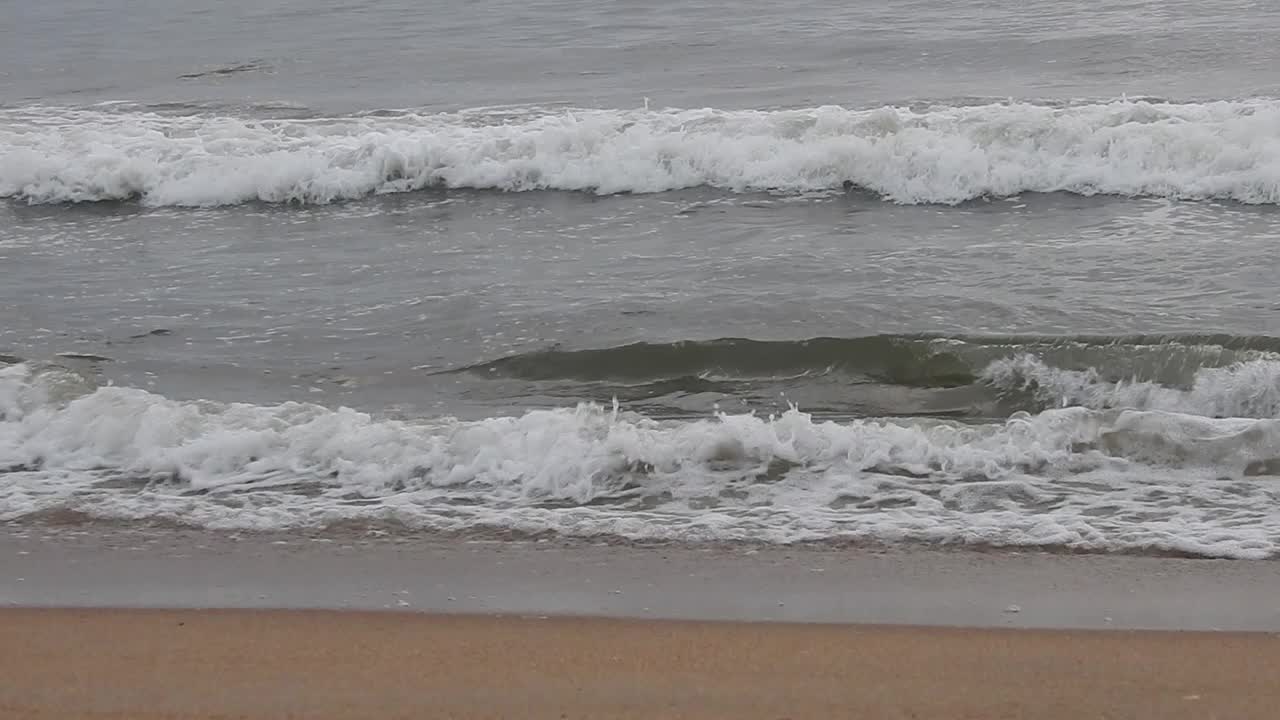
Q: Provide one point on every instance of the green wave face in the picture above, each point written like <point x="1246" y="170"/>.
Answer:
<point x="922" y="374"/>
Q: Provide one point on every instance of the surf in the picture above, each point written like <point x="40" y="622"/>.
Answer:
<point x="922" y="154"/>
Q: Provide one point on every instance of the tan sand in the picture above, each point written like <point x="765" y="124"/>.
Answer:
<point x="147" y="664"/>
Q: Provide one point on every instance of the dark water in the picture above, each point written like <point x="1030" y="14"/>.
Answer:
<point x="984" y="272"/>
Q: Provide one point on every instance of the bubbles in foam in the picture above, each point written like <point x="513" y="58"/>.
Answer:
<point x="1227" y="150"/>
<point x="1249" y="388"/>
<point x="1112" y="480"/>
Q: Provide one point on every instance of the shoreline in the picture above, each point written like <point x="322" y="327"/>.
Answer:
<point x="92" y="566"/>
<point x="319" y="664"/>
<point x="195" y="625"/>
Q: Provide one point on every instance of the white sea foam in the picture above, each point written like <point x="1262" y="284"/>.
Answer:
<point x="1247" y="389"/>
<point x="1227" y="150"/>
<point x="1114" y="480"/>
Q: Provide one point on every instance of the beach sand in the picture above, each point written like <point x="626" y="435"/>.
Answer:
<point x="151" y="664"/>
<point x="550" y="630"/>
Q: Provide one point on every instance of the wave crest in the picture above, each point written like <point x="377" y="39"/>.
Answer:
<point x="1113" y="480"/>
<point x="942" y="154"/>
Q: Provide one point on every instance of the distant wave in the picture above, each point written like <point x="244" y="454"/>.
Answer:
<point x="233" y="69"/>
<point x="1225" y="150"/>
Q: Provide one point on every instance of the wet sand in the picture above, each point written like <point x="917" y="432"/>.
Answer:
<point x="152" y="664"/>
<point x="143" y="625"/>
<point x="95" y="566"/>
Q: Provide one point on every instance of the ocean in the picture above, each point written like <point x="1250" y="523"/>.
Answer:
<point x="980" y="273"/>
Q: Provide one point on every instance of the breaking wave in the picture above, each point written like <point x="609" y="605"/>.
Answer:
<point x="1211" y="375"/>
<point x="939" y="154"/>
<point x="1166" y="478"/>
<point x="925" y="359"/>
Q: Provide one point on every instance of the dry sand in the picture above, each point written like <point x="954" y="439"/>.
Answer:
<point x="149" y="664"/>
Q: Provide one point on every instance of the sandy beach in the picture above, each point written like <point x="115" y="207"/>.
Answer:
<point x="134" y="625"/>
<point x="152" y="664"/>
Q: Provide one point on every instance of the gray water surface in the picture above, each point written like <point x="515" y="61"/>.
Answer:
<point x="1037" y="237"/>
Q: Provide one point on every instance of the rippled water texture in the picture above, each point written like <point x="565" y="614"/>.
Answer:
<point x="982" y="274"/>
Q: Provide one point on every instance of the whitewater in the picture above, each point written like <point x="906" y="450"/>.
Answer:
<point x="977" y="275"/>
<point x="1159" y="475"/>
<point x="923" y="153"/>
